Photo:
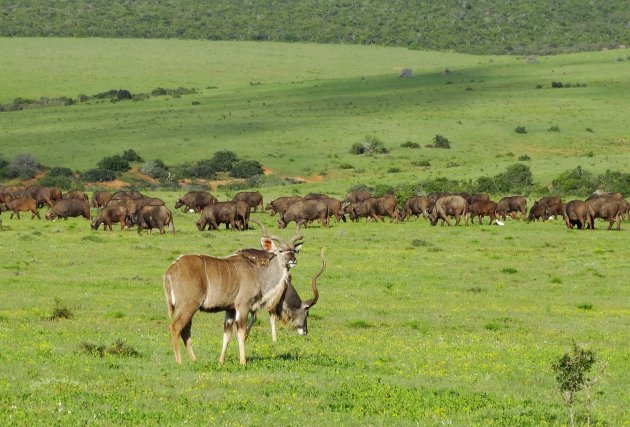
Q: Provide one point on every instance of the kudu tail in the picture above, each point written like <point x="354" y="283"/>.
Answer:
<point x="168" y="292"/>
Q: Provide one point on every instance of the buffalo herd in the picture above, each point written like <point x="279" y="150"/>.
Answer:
<point x="131" y="208"/>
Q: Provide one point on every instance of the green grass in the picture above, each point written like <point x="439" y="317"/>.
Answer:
<point x="401" y="333"/>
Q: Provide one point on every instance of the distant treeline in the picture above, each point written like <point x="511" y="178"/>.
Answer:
<point x="482" y="26"/>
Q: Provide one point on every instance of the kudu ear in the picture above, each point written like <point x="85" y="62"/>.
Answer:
<point x="297" y="247"/>
<point x="267" y="244"/>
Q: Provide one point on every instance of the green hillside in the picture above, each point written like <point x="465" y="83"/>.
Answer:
<point x="484" y="26"/>
<point x="299" y="108"/>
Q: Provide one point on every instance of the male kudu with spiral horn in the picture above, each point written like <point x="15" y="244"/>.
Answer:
<point x="238" y="284"/>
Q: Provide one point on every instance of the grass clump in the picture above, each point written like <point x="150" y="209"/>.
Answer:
<point x="509" y="270"/>
<point x="117" y="348"/>
<point x="360" y="324"/>
<point x="60" y="311"/>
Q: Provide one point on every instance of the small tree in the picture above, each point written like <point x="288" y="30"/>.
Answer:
<point x="222" y="161"/>
<point x="246" y="169"/>
<point x="572" y="376"/>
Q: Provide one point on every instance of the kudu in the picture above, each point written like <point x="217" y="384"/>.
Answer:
<point x="291" y="308"/>
<point x="238" y="284"/>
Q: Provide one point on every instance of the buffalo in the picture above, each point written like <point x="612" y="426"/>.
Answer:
<point x="415" y="206"/>
<point x="281" y="204"/>
<point x="41" y="195"/>
<point x="483" y="208"/>
<point x="69" y="208"/>
<point x="150" y="217"/>
<point x="376" y="208"/>
<point x="196" y="200"/>
<point x="512" y="205"/>
<point x="357" y="196"/>
<point x="537" y="212"/>
<point x="101" y="198"/>
<point x="607" y="207"/>
<point x="76" y="194"/>
<point x="220" y="213"/>
<point x="450" y="206"/>
<point x="305" y="211"/>
<point x="575" y="213"/>
<point x="109" y="215"/>
<point x="22" y="204"/>
<point x="252" y="198"/>
<point x="552" y="206"/>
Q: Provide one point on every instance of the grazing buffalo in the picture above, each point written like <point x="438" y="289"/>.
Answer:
<point x="196" y="200"/>
<point x="512" y="205"/>
<point x="483" y="208"/>
<point x="415" y="206"/>
<point x="149" y="201"/>
<point x="607" y="207"/>
<point x="552" y="206"/>
<point x="110" y="215"/>
<point x="305" y="211"/>
<point x="101" y="198"/>
<point x="357" y="196"/>
<point x="376" y="208"/>
<point x="450" y="206"/>
<point x="477" y="198"/>
<point x="69" y="208"/>
<point x="22" y="204"/>
<point x="41" y="195"/>
<point x="281" y="204"/>
<point x="334" y="208"/>
<point x="219" y="213"/>
<point x="129" y="204"/>
<point x="252" y="198"/>
<point x="16" y="191"/>
<point x="242" y="215"/>
<point x="76" y="194"/>
<point x="5" y="197"/>
<point x="537" y="212"/>
<point x="575" y="213"/>
<point x="150" y="217"/>
<point x="315" y="196"/>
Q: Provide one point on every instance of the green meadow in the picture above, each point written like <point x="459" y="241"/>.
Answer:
<point x="416" y="325"/>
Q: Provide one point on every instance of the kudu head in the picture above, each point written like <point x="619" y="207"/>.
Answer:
<point x="300" y="321"/>
<point x="275" y="246"/>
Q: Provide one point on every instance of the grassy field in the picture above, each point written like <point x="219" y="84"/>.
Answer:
<point x="299" y="108"/>
<point x="415" y="324"/>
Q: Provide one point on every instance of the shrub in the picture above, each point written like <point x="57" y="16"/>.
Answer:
<point x="60" y="311"/>
<point x="60" y="171"/>
<point x="202" y="169"/>
<point x="556" y="84"/>
<point x="63" y="182"/>
<point x="614" y="182"/>
<point x="246" y="169"/>
<point x="441" y="142"/>
<point x="371" y="145"/>
<point x="554" y="128"/>
<point x="98" y="175"/>
<point x="423" y="162"/>
<point x="410" y="144"/>
<point x="520" y="129"/>
<point x="516" y="178"/>
<point x="346" y="166"/>
<point x="155" y="169"/>
<point x="524" y="158"/>
<point x="576" y="181"/>
<point x="394" y="170"/>
<point x="114" y="163"/>
<point x="23" y="166"/>
<point x="131" y="156"/>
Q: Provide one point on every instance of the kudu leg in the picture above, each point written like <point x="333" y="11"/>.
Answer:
<point x="241" y="336"/>
<point x="227" y="332"/>
<point x="180" y="327"/>
<point x="272" y="320"/>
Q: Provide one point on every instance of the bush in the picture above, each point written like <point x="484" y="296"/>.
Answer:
<point x="441" y="142"/>
<point x="614" y="182"/>
<point x="394" y="170"/>
<point x="520" y="129"/>
<point x="63" y="182"/>
<point x="202" y="169"/>
<point x="98" y="175"/>
<point x="554" y="128"/>
<point x="246" y="169"/>
<point x="410" y="144"/>
<point x="60" y="171"/>
<point x="576" y="181"/>
<point x="371" y="145"/>
<point x="556" y="84"/>
<point x="517" y="178"/>
<point x="155" y="169"/>
<point x="114" y="163"/>
<point x="131" y="156"/>
<point x="524" y="158"/>
<point x="421" y="163"/>
<point x="23" y="166"/>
